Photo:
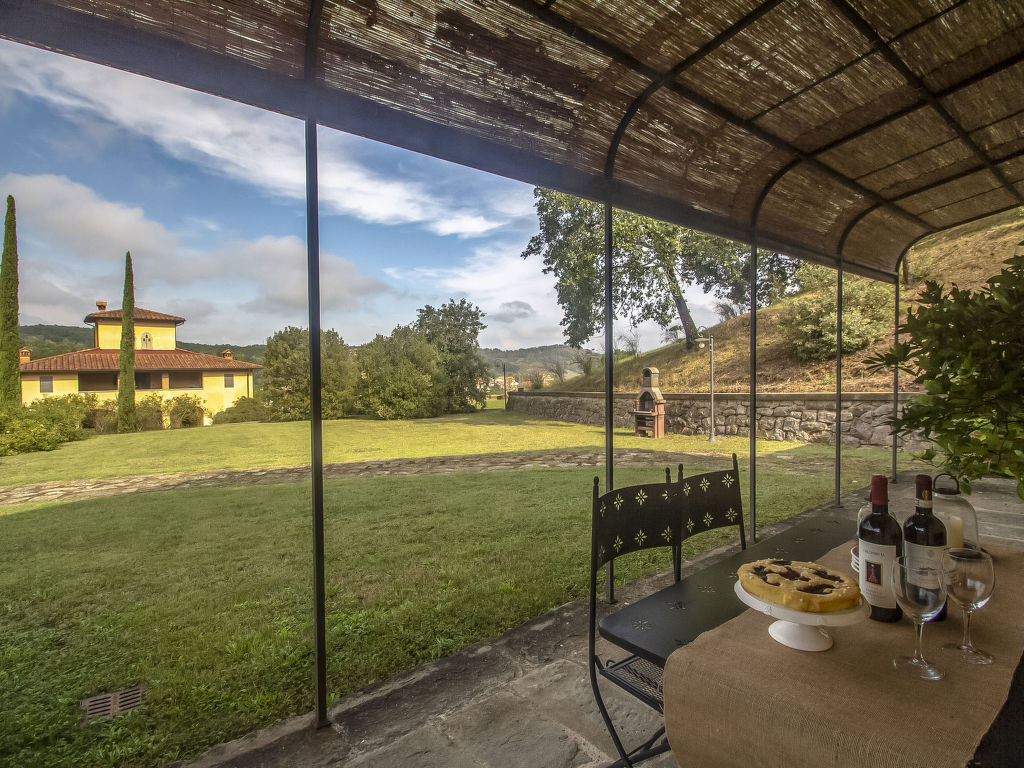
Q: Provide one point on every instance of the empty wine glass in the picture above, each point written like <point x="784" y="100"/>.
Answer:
<point x="920" y="592"/>
<point x="969" y="579"/>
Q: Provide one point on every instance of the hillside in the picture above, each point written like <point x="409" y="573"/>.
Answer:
<point x="967" y="256"/>
<point x="520" y="362"/>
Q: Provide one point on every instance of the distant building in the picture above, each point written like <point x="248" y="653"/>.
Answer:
<point x="159" y="365"/>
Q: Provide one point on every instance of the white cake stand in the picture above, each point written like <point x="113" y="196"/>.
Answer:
<point x="803" y="630"/>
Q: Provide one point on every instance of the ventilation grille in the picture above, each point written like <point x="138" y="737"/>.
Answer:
<point x="111" y="704"/>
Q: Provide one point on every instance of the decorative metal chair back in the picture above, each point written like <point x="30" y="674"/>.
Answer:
<point x="633" y="518"/>
<point x="713" y="500"/>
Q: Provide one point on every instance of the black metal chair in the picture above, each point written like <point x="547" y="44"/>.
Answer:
<point x="640" y="517"/>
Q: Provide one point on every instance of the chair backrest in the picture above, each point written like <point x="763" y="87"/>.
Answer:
<point x="635" y="517"/>
<point x="712" y="500"/>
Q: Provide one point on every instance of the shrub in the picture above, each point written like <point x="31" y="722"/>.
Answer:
<point x="149" y="413"/>
<point x="244" y="409"/>
<point x="185" y="411"/>
<point x="44" y="425"/>
<point x="535" y="379"/>
<point x="401" y="376"/>
<point x="809" y="322"/>
<point x="102" y="419"/>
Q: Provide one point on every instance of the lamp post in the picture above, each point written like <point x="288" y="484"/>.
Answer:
<point x="504" y="380"/>
<point x="707" y="339"/>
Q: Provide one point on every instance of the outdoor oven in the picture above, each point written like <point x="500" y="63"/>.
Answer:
<point x="650" y="407"/>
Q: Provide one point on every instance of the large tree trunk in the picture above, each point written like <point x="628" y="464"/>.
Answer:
<point x="689" y="327"/>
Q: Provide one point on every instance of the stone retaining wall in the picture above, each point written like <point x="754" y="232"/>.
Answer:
<point x="802" y="417"/>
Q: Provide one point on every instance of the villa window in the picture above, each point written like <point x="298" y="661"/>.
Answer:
<point x="146" y="341"/>
<point x="185" y="380"/>
<point x="147" y="380"/>
<point x="46" y="383"/>
<point x="97" y="382"/>
<point x="229" y="380"/>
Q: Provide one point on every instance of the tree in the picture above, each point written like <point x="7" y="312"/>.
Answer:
<point x="965" y="348"/>
<point x="286" y="375"/>
<point x="126" y="421"/>
<point x="652" y="264"/>
<point x="585" y="359"/>
<point x="10" y="377"/>
<point x="454" y="329"/>
<point x="402" y="376"/>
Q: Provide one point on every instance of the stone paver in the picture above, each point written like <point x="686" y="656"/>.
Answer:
<point x="77" y="490"/>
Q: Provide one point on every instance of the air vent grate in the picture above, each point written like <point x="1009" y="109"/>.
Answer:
<point x="111" y="704"/>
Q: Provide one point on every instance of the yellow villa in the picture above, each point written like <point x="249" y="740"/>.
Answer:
<point x="159" y="365"/>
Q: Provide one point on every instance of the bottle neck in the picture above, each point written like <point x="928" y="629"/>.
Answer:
<point x="879" y="509"/>
<point x="924" y="507"/>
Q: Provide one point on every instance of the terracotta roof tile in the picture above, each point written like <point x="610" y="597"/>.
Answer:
<point x="145" y="360"/>
<point x="140" y="314"/>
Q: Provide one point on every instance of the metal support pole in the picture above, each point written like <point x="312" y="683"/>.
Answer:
<point x="752" y="416"/>
<point x="609" y="400"/>
<point x="895" y="371"/>
<point x="839" y="377"/>
<point x="711" y="349"/>
<point x="504" y="383"/>
<point x="316" y="423"/>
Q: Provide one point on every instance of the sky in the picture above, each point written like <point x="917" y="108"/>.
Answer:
<point x="209" y="197"/>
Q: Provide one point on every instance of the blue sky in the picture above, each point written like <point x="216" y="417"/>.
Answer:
<point x="208" y="195"/>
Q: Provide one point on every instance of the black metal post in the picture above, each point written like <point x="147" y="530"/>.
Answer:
<point x="752" y="415"/>
<point x="316" y="423"/>
<point x="609" y="399"/>
<point x="839" y="376"/>
<point x="895" y="370"/>
<point x="711" y="350"/>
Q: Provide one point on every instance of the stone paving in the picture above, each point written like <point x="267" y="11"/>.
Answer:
<point x="76" y="490"/>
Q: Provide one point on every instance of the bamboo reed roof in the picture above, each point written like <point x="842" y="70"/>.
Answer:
<point x="835" y="127"/>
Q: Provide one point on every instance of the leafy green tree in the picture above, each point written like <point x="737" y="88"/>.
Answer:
<point x="965" y="348"/>
<point x="454" y="329"/>
<point x="126" y="421"/>
<point x="809" y="322"/>
<point x="402" y="376"/>
<point x="652" y="264"/>
<point x="286" y="375"/>
<point x="10" y="378"/>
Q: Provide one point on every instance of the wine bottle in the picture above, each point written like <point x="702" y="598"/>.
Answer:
<point x="880" y="542"/>
<point x="924" y="536"/>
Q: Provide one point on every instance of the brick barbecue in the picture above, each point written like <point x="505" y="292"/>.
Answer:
<point x="650" y="406"/>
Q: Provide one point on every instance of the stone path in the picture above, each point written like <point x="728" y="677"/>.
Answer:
<point x="76" y="490"/>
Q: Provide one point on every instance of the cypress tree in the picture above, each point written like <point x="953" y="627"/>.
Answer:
<point x="10" y="378"/>
<point x="126" y="379"/>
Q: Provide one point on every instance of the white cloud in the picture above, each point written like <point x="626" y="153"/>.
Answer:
<point x="71" y="253"/>
<point x="245" y="144"/>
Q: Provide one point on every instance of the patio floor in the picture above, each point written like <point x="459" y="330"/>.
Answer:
<point x="522" y="700"/>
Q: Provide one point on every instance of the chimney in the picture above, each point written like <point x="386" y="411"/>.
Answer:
<point x="227" y="355"/>
<point x="101" y="306"/>
<point x="24" y="355"/>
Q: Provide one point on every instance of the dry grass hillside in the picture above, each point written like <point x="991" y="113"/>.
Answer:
<point x="967" y="256"/>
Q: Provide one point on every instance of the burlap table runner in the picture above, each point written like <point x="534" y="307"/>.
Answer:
<point x="735" y="697"/>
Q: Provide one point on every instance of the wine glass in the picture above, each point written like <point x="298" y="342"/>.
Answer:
<point x="920" y="592"/>
<point x="969" y="579"/>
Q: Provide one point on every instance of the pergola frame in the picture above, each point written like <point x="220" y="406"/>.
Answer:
<point x="950" y="169"/>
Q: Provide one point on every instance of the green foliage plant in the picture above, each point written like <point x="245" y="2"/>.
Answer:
<point x="809" y="322"/>
<point x="401" y="376"/>
<point x="10" y="377"/>
<point x="126" y="421"/>
<point x="150" y="412"/>
<point x="185" y="411"/>
<point x="966" y="350"/>
<point x="244" y="409"/>
<point x="44" y="425"/>
<point x="535" y="379"/>
<point x="454" y="329"/>
<point x="286" y="375"/>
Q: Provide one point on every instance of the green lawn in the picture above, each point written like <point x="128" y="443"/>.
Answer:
<point x="241" y="446"/>
<point x="203" y="596"/>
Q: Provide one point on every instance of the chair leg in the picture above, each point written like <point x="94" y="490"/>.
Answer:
<point x="623" y="756"/>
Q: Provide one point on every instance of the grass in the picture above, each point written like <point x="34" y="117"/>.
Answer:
<point x="203" y="596"/>
<point x="242" y="446"/>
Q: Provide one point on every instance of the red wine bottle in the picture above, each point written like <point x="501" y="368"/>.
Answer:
<point x="924" y="536"/>
<point x="879" y="541"/>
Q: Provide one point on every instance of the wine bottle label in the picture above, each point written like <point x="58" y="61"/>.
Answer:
<point x="921" y="556"/>
<point x="876" y="561"/>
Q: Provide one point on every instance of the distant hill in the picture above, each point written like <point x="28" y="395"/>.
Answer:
<point x="49" y="340"/>
<point x="520" y="362"/>
<point x="251" y="353"/>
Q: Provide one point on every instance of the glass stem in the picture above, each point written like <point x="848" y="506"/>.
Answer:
<point x="967" y="630"/>
<point x="919" y="647"/>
